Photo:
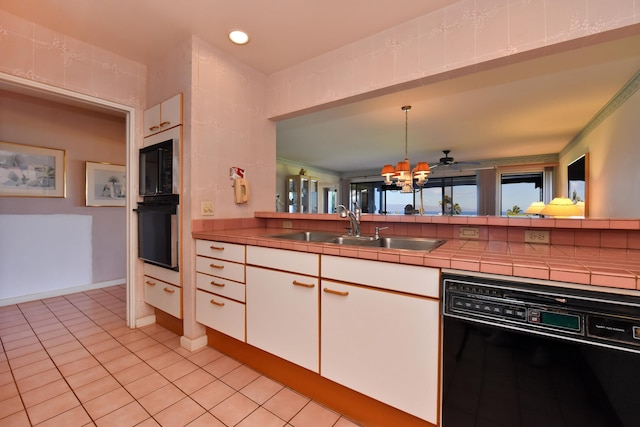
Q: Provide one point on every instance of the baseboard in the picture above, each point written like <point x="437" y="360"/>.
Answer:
<point x="193" y="345"/>
<point x="145" y="321"/>
<point x="60" y="292"/>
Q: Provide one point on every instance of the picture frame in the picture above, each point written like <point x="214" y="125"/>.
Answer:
<point x="31" y="171"/>
<point x="106" y="184"/>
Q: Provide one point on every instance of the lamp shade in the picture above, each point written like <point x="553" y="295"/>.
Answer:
<point x="561" y="207"/>
<point x="422" y="168"/>
<point x="387" y="170"/>
<point x="403" y="166"/>
<point x="534" y="208"/>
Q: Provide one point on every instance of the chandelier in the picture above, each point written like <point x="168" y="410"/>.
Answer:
<point x="402" y="173"/>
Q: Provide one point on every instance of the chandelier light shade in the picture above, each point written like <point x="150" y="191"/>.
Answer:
<point x="561" y="207"/>
<point x="402" y="173"/>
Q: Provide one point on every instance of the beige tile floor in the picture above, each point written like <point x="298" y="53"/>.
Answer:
<point x="71" y="361"/>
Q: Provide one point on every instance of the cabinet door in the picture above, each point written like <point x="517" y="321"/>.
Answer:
<point x="152" y="120"/>
<point x="171" y="112"/>
<point x="382" y="344"/>
<point x="282" y="315"/>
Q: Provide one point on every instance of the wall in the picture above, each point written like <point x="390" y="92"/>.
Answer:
<point x="95" y="235"/>
<point x="225" y="125"/>
<point x="614" y="152"/>
<point x="462" y="38"/>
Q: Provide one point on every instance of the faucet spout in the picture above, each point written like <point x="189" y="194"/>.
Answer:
<point x="354" y="218"/>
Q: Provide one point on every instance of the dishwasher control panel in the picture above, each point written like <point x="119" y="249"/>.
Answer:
<point x="609" y="320"/>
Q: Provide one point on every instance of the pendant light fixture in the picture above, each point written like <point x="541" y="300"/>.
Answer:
<point x="402" y="173"/>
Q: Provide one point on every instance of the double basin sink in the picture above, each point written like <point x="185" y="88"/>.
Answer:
<point x="409" y="243"/>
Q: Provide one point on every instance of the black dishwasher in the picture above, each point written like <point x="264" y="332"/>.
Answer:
<point x="524" y="354"/>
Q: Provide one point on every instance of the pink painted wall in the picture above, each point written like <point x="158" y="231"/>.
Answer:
<point x="85" y="136"/>
<point x="432" y="46"/>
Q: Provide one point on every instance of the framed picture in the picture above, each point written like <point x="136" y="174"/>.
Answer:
<point x="30" y="171"/>
<point x="106" y="184"/>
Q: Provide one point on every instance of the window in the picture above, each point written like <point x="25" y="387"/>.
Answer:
<point x="440" y="196"/>
<point x="451" y="196"/>
<point x="518" y="190"/>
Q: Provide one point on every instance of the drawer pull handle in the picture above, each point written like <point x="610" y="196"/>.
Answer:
<point x="216" y="266"/>
<point x="165" y="123"/>
<point x="304" y="285"/>
<point x="214" y="283"/>
<point x="169" y="291"/>
<point x="219" y="304"/>
<point x="217" y="248"/>
<point x="150" y="283"/>
<point x="152" y="128"/>
<point x="332" y="291"/>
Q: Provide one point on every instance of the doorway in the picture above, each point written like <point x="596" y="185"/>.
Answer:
<point x="40" y="90"/>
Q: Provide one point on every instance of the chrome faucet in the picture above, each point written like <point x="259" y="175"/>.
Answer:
<point x="354" y="217"/>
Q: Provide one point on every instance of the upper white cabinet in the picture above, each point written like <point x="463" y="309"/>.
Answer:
<point x="163" y="116"/>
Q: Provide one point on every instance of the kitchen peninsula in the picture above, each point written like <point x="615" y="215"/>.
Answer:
<point x="597" y="252"/>
<point x="594" y="254"/>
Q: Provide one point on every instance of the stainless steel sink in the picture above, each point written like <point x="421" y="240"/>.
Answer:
<point x="408" y="243"/>
<point x="308" y="236"/>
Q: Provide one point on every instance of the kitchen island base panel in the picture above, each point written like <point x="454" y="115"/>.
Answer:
<point x="169" y="322"/>
<point x="360" y="408"/>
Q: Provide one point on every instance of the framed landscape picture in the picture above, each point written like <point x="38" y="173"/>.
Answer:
<point x="30" y="171"/>
<point x="106" y="184"/>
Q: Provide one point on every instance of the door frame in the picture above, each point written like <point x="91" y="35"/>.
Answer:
<point x="42" y="90"/>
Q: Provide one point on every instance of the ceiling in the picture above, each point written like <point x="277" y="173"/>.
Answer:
<point x="528" y="108"/>
<point x="283" y="32"/>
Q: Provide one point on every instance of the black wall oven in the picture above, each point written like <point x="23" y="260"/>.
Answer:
<point x="524" y="354"/>
<point x="159" y="168"/>
<point x="158" y="230"/>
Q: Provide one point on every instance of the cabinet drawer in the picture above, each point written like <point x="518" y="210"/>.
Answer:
<point x="396" y="277"/>
<point x="163" y="295"/>
<point x="222" y="314"/>
<point x="163" y="274"/>
<point x="220" y="268"/>
<point x="220" y="250"/>
<point x="280" y="259"/>
<point x="223" y="287"/>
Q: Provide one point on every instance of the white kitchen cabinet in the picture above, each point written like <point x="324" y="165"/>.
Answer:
<point x="163" y="116"/>
<point x="162" y="289"/>
<point x="220" y="277"/>
<point x="377" y="339"/>
<point x="220" y="313"/>
<point x="282" y="315"/>
<point x="283" y="304"/>
<point x="163" y="296"/>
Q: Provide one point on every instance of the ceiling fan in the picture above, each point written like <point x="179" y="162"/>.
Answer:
<point x="450" y="161"/>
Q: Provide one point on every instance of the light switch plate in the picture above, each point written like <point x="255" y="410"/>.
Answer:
<point x="537" y="236"/>
<point x="206" y="208"/>
<point x="287" y="224"/>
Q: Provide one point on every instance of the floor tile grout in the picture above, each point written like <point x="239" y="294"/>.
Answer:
<point x="73" y="319"/>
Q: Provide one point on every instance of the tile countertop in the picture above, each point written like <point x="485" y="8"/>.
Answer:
<point x="594" y="266"/>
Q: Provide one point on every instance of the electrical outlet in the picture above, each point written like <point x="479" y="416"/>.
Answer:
<point x="536" y="236"/>
<point x="206" y="208"/>
<point x="468" y="233"/>
<point x="287" y="224"/>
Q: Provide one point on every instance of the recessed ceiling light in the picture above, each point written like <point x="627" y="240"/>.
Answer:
<point x="238" y="37"/>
